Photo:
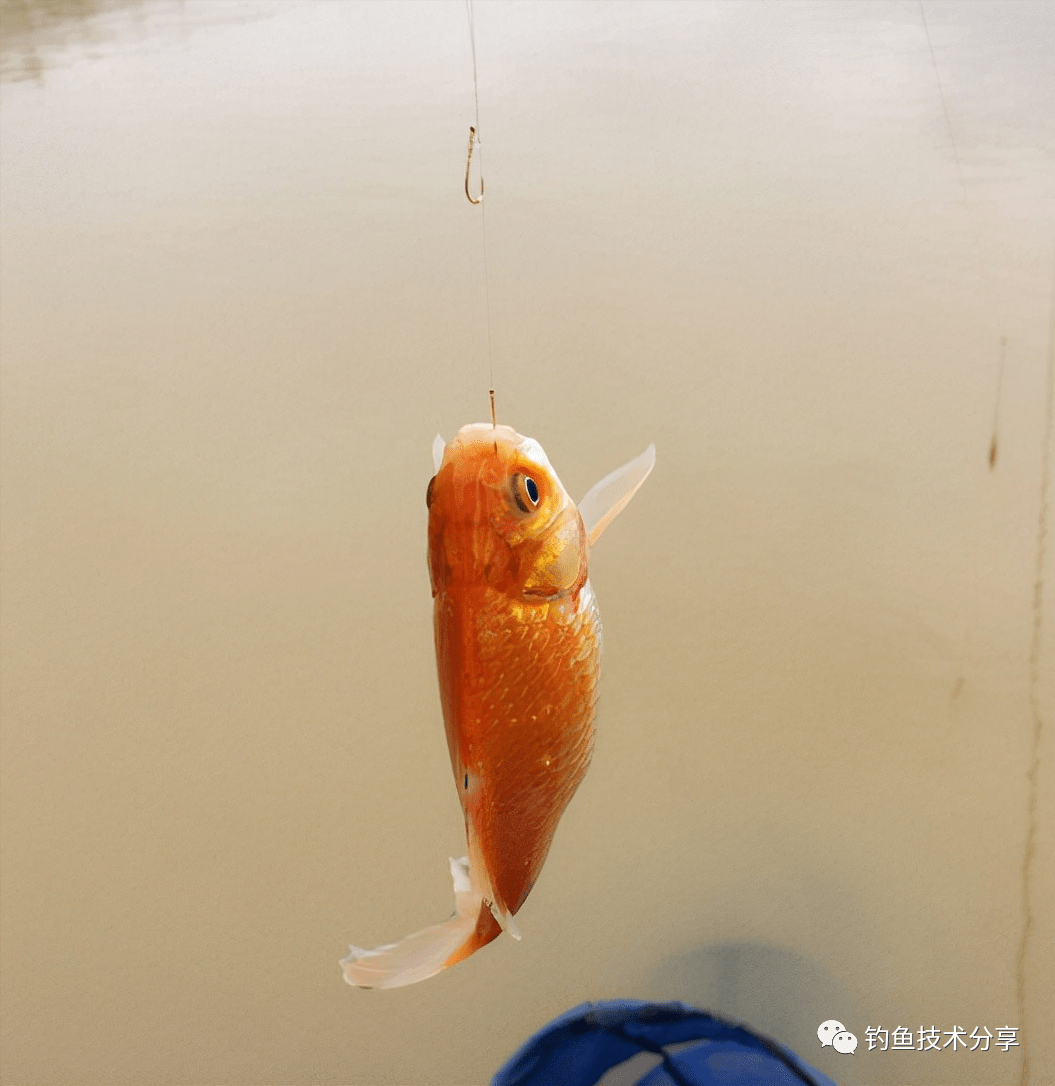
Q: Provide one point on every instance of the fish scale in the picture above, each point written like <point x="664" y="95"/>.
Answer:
<point x="522" y="798"/>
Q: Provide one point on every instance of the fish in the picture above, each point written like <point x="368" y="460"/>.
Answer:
<point x="518" y="649"/>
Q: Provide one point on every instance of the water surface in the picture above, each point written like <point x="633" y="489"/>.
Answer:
<point x="242" y="290"/>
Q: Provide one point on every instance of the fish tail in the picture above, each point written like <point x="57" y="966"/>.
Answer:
<point x="430" y="950"/>
<point x="486" y="930"/>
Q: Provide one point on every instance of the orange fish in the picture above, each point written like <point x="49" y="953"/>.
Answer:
<point x="518" y="647"/>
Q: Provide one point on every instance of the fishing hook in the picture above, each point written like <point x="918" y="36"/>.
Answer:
<point x="468" y="165"/>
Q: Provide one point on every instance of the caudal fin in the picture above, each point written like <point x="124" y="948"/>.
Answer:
<point x="427" y="952"/>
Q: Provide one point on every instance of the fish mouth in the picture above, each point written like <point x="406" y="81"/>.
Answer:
<point x="483" y="433"/>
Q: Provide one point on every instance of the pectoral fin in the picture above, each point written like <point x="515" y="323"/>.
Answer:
<point x="438" y="445"/>
<point x="608" y="498"/>
<point x="431" y="950"/>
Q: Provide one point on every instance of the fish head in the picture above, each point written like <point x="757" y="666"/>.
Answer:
<point x="500" y="518"/>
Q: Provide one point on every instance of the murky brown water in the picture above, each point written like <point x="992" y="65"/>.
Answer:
<point x="242" y="290"/>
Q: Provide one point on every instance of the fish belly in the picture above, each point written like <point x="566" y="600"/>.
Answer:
<point x="518" y="682"/>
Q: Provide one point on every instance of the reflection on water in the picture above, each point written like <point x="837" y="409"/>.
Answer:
<point x="34" y="32"/>
<point x="36" y="35"/>
<point x="240" y="291"/>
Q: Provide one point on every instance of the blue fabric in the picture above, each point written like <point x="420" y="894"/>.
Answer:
<point x="577" y="1048"/>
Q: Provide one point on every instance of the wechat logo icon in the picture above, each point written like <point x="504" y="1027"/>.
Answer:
<point x="834" y="1033"/>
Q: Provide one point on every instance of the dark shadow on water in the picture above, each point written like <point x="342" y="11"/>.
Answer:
<point x="775" y="991"/>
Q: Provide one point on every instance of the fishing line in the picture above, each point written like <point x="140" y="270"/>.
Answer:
<point x="475" y="143"/>
<point x="1035" y="712"/>
<point x="1037" y="718"/>
<point x="993" y="444"/>
<point x="994" y="302"/>
<point x="983" y="538"/>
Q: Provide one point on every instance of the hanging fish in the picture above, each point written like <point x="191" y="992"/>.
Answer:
<point x="518" y="646"/>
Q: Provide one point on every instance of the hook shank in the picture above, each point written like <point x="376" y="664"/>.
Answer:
<point x="468" y="166"/>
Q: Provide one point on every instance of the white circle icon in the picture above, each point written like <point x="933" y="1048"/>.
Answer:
<point x="826" y="1031"/>
<point x="844" y="1042"/>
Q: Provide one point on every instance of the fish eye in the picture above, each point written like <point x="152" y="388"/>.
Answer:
<point x="428" y="493"/>
<point x="525" y="492"/>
